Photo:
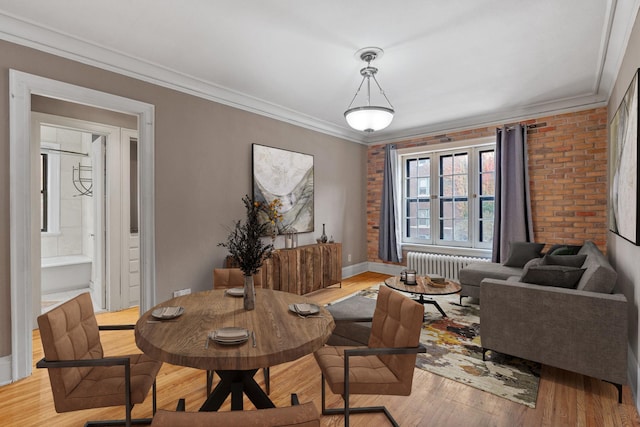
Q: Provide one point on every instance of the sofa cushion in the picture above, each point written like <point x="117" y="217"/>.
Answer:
<point x="599" y="276"/>
<point x="560" y="276"/>
<point x="475" y="272"/>
<point x="567" y="260"/>
<point x="521" y="252"/>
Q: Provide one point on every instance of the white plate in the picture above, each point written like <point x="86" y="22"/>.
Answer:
<point x="230" y="335"/>
<point x="303" y="310"/>
<point x="167" y="312"/>
<point x="235" y="292"/>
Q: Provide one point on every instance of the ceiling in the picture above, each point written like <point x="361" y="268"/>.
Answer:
<point x="446" y="65"/>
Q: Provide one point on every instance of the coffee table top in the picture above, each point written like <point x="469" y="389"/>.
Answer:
<point x="422" y="287"/>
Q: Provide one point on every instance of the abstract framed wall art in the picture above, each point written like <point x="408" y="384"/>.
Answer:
<point x="287" y="176"/>
<point x="623" y="167"/>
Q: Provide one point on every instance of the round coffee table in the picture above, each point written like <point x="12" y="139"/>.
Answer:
<point x="422" y="288"/>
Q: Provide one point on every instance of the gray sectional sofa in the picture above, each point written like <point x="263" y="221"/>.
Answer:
<point x="582" y="330"/>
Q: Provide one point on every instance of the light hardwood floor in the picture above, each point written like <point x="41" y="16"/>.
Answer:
<point x="564" y="398"/>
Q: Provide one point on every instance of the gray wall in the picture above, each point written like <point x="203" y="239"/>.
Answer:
<point x="624" y="255"/>
<point x="203" y="168"/>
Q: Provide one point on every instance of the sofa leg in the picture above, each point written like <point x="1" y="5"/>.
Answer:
<point x="618" y="387"/>
<point x="484" y="354"/>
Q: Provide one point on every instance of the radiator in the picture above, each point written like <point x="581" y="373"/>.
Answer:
<point x="443" y="265"/>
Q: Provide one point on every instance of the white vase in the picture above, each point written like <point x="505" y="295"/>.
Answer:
<point x="249" y="293"/>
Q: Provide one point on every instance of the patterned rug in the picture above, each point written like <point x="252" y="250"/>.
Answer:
<point x="454" y="351"/>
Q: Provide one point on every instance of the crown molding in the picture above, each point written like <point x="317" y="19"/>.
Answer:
<point x="31" y="35"/>
<point x="494" y="119"/>
<point x="615" y="36"/>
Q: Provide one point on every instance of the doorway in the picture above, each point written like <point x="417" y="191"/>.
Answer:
<point x="88" y="210"/>
<point x="24" y="200"/>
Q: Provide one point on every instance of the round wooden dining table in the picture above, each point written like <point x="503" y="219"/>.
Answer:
<point x="280" y="336"/>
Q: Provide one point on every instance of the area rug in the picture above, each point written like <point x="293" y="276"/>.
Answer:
<point x="454" y="351"/>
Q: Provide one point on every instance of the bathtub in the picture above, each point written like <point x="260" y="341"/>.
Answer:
<point x="64" y="273"/>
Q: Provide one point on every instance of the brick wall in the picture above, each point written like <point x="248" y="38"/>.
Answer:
<point x="567" y="170"/>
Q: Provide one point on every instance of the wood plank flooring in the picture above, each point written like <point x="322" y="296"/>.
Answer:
<point x="564" y="398"/>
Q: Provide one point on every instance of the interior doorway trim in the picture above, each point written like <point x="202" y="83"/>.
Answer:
<point x="22" y="233"/>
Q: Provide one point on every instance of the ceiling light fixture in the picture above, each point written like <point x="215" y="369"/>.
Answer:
<point x="369" y="118"/>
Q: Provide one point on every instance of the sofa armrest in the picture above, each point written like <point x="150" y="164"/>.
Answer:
<point x="584" y="332"/>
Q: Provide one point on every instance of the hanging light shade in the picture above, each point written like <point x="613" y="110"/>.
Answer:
<point x="369" y="118"/>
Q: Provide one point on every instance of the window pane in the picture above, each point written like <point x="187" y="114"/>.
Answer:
<point x="461" y="186"/>
<point x="487" y="209"/>
<point x="488" y="186"/>
<point x="423" y="187"/>
<point x="461" y="231"/>
<point x="486" y="231"/>
<point x="446" y="232"/>
<point x="446" y="184"/>
<point x="412" y="208"/>
<point x="461" y="164"/>
<point x="487" y="161"/>
<point x="44" y="189"/>
<point x="412" y="167"/>
<point x="446" y="165"/>
<point x="412" y="226"/>
<point x="412" y="187"/>
<point x="461" y="210"/>
<point x="424" y="167"/>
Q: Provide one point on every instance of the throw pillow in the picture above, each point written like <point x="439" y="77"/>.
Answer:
<point x="521" y="252"/>
<point x="563" y="250"/>
<point x="553" y="275"/>
<point x="568" y="260"/>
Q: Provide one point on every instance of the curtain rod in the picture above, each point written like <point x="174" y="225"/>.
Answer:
<point x="55" y="150"/>
<point x="511" y="126"/>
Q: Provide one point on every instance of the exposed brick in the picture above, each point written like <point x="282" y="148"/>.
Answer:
<point x="567" y="169"/>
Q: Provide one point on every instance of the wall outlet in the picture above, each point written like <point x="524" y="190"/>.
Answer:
<point x="349" y="258"/>
<point x="181" y="292"/>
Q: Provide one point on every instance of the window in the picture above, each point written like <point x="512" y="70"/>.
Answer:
<point x="44" y="193"/>
<point x="49" y="188"/>
<point x="448" y="195"/>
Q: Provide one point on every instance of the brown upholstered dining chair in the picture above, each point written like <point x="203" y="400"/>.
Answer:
<point x="305" y="415"/>
<point x="225" y="278"/>
<point x="80" y="376"/>
<point x="385" y="366"/>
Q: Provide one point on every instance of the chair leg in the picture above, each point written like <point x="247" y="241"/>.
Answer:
<point x="346" y="411"/>
<point x="267" y="380"/>
<point x="209" y="382"/>
<point x="155" y="405"/>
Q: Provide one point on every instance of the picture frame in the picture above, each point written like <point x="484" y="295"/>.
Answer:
<point x="623" y="166"/>
<point x="288" y="176"/>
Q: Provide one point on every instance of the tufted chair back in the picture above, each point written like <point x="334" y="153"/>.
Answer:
<point x="69" y="332"/>
<point x="397" y="322"/>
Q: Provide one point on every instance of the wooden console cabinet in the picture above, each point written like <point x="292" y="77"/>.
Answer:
<point x="303" y="269"/>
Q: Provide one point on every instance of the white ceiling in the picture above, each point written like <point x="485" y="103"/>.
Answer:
<point x="446" y="64"/>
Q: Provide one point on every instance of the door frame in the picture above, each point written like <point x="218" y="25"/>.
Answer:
<point x="23" y="210"/>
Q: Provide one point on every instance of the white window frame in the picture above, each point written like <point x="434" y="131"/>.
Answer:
<point x="53" y="189"/>
<point x="434" y="152"/>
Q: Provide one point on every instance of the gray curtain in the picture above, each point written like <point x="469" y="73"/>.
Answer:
<point x="512" y="214"/>
<point x="389" y="240"/>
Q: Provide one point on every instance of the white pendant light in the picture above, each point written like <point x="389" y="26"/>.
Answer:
<point x="369" y="118"/>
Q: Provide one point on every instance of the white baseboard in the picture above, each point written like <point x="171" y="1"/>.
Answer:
<point x="5" y="370"/>
<point x="391" y="269"/>
<point x="352" y="270"/>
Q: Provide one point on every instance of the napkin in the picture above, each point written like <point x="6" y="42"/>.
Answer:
<point x="170" y="311"/>
<point x="303" y="308"/>
<point x="230" y="334"/>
